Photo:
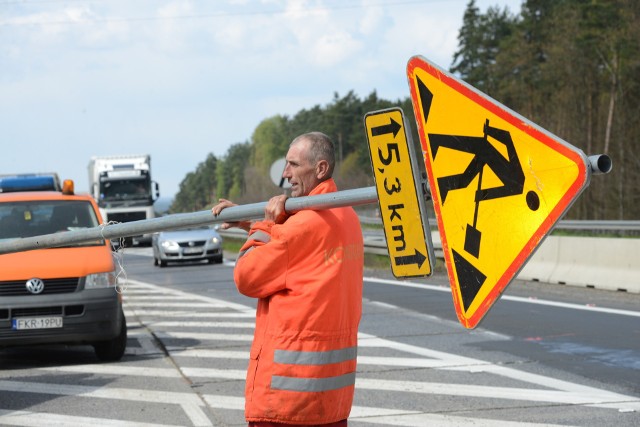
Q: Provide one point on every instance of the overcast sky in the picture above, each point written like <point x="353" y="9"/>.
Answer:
<point x="184" y="78"/>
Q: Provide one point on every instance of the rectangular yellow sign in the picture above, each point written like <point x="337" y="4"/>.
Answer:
<point x="402" y="191"/>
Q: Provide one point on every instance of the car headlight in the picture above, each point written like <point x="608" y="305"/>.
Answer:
<point x="100" y="280"/>
<point x="216" y="240"/>
<point x="170" y="245"/>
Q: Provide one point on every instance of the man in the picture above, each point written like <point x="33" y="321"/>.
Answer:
<point x="306" y="271"/>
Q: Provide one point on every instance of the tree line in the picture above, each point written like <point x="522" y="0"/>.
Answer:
<point x="242" y="174"/>
<point x="571" y="66"/>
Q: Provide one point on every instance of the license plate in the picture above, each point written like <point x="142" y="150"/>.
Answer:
<point x="37" y="323"/>
<point x="192" y="251"/>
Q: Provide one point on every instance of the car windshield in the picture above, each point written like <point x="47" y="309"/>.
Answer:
<point x="34" y="218"/>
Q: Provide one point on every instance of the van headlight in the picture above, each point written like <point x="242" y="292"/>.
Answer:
<point x="100" y="280"/>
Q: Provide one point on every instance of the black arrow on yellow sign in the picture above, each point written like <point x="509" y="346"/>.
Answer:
<point x="417" y="258"/>
<point x="393" y="127"/>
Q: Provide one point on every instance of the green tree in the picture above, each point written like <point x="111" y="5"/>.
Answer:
<point x="230" y="175"/>
<point x="521" y="64"/>
<point x="479" y="42"/>
<point x="269" y="142"/>
<point x="197" y="188"/>
<point x="571" y="66"/>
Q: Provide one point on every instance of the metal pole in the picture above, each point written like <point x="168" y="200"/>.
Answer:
<point x="359" y="196"/>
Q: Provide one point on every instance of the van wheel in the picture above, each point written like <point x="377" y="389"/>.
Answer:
<point x="113" y="350"/>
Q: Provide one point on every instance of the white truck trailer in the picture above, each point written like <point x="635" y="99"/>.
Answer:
<point x="123" y="189"/>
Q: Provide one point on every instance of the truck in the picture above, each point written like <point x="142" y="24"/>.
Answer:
<point x="123" y="189"/>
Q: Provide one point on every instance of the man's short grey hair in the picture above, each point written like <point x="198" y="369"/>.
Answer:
<point x="320" y="148"/>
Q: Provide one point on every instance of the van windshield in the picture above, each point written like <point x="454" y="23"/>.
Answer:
<point x="38" y="217"/>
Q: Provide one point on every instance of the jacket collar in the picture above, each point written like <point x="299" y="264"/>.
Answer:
<point x="328" y="186"/>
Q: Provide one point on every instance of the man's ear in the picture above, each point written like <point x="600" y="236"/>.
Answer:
<point x="322" y="170"/>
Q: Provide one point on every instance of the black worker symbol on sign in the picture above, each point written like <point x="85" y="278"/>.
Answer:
<point x="485" y="154"/>
<point x="507" y="168"/>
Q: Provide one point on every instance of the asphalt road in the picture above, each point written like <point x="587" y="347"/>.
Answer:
<point x="544" y="355"/>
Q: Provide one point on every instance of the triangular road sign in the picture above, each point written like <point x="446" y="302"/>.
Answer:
<point x="498" y="183"/>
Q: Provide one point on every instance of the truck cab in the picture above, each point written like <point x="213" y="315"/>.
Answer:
<point x="123" y="189"/>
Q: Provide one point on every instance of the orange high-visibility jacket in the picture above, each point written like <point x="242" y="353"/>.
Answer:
<point x="307" y="274"/>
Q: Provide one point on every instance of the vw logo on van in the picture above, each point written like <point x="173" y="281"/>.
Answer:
<point x="35" y="285"/>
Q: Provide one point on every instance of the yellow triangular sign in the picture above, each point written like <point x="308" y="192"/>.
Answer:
<point x="498" y="182"/>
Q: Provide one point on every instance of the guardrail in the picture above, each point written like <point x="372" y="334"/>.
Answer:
<point x="568" y="224"/>
<point x="598" y="225"/>
<point x="374" y="243"/>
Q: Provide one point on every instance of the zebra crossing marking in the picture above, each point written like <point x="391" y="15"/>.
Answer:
<point x="39" y="419"/>
<point x="547" y="390"/>
<point x="190" y="403"/>
<point x="194" y="406"/>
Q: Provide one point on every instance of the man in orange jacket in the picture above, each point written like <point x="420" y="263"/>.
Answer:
<point x="306" y="270"/>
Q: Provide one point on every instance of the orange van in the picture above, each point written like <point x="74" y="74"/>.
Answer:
<point x="57" y="295"/>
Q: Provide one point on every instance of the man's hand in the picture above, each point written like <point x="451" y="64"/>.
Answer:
<point x="222" y="204"/>
<point x="274" y="210"/>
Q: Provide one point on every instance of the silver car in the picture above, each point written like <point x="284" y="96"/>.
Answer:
<point x="196" y="244"/>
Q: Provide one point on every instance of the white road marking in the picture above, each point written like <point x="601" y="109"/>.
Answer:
<point x="170" y="304"/>
<point x="358" y="413"/>
<point x="584" y="396"/>
<point x="154" y="297"/>
<point x="410" y="362"/>
<point x="191" y="404"/>
<point x="117" y="370"/>
<point x="191" y="313"/>
<point x="39" y="419"/>
<point x="204" y="336"/>
<point x="572" y="306"/>
<point x="196" y="297"/>
<point x="172" y="324"/>
<point x="545" y="389"/>
<point x="440" y="288"/>
<point x="208" y="354"/>
<point x="412" y="420"/>
<point x="589" y="394"/>
<point x="390" y="417"/>
<point x="592" y="398"/>
<point x="442" y="360"/>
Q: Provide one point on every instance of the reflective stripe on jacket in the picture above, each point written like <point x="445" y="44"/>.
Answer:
<point x="307" y="276"/>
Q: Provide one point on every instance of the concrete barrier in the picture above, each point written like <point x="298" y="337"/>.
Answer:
<point x="603" y="263"/>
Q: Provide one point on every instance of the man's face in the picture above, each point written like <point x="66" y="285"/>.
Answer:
<point x="299" y="171"/>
